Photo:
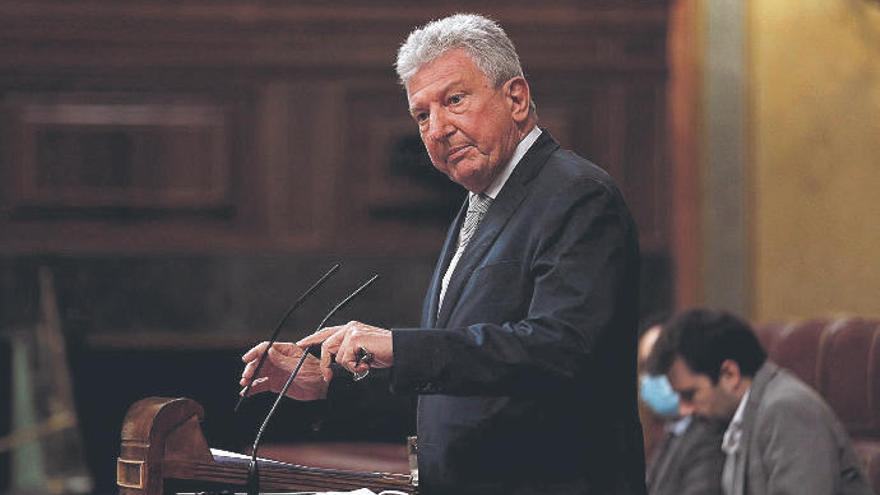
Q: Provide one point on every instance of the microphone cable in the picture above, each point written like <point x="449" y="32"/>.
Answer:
<point x="281" y="323"/>
<point x="253" y="479"/>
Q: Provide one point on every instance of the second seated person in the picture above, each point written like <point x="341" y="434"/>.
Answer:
<point x="782" y="437"/>
<point x="524" y="360"/>
<point x="689" y="459"/>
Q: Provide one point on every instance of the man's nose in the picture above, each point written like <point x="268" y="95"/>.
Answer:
<point x="439" y="127"/>
<point x="685" y="408"/>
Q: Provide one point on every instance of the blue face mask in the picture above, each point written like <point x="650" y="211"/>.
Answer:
<point x="657" y="393"/>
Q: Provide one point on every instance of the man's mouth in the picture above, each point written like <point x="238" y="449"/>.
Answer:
<point x="456" y="153"/>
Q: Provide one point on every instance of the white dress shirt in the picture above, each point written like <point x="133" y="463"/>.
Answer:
<point x="731" y="445"/>
<point x="492" y="191"/>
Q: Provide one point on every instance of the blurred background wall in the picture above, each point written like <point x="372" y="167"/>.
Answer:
<point x="815" y="174"/>
<point x="774" y="109"/>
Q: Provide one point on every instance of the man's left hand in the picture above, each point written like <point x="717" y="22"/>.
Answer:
<point x="345" y="340"/>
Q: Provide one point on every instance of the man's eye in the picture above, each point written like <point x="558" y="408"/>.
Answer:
<point x="421" y="117"/>
<point x="455" y="99"/>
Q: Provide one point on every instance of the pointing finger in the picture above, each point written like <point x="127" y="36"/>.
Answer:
<point x="317" y="337"/>
<point x="328" y="349"/>
<point x="255" y="352"/>
<point x="345" y="356"/>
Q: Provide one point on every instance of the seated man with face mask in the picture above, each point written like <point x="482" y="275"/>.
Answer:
<point x="689" y="459"/>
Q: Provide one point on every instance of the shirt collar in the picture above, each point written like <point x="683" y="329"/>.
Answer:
<point x="520" y="151"/>
<point x="730" y="443"/>
<point x="679" y="426"/>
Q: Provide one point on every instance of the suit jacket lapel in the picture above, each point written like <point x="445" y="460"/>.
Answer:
<point x="759" y="384"/>
<point x="509" y="198"/>
<point x="486" y="233"/>
<point x="675" y="444"/>
<point x="429" y="314"/>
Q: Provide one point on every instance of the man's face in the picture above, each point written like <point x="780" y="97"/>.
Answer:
<point x="469" y="126"/>
<point x="697" y="392"/>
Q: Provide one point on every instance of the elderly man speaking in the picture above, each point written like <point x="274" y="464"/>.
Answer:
<point x="524" y="361"/>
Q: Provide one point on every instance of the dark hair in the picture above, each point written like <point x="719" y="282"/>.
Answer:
<point x="704" y="339"/>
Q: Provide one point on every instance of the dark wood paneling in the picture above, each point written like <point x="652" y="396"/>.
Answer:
<point x="185" y="168"/>
<point x="145" y="129"/>
<point x="397" y="199"/>
<point x="89" y="151"/>
<point x="144" y="126"/>
<point x="566" y="34"/>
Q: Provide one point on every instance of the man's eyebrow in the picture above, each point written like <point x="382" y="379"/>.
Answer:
<point x="442" y="90"/>
<point x="680" y="390"/>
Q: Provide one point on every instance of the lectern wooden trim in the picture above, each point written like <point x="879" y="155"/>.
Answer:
<point x="164" y="450"/>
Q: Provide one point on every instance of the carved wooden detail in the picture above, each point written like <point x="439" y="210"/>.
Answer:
<point x="163" y="446"/>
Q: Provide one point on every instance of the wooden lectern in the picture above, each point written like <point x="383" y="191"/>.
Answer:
<point x="164" y="451"/>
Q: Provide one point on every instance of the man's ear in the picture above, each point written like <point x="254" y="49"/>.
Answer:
<point x="730" y="374"/>
<point x="518" y="95"/>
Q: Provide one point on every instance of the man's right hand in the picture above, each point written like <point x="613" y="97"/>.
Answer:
<point x="282" y="359"/>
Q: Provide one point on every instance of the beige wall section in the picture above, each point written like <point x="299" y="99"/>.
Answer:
<point x="815" y="147"/>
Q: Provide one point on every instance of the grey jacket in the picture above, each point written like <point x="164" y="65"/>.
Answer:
<point x="792" y="442"/>
<point x="690" y="463"/>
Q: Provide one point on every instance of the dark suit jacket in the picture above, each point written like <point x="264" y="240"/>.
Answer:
<point x="792" y="442"/>
<point x="690" y="463"/>
<point x="527" y="376"/>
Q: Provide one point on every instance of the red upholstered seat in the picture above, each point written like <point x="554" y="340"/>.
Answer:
<point x="849" y="373"/>
<point x="797" y="348"/>
<point x="770" y="333"/>
<point x="840" y="358"/>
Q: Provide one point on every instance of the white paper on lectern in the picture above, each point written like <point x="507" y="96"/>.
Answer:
<point x="221" y="455"/>
<point x="362" y="491"/>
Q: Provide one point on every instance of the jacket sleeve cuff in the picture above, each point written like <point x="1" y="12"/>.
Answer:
<point x="417" y="360"/>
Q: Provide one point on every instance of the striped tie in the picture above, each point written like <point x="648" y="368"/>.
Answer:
<point x="478" y="205"/>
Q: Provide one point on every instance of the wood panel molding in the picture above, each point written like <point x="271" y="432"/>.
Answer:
<point x="91" y="151"/>
<point x="40" y="34"/>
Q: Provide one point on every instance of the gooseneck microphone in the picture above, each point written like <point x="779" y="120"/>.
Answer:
<point x="253" y="479"/>
<point x="283" y="320"/>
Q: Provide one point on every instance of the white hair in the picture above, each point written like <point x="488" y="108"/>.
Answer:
<point x="483" y="39"/>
